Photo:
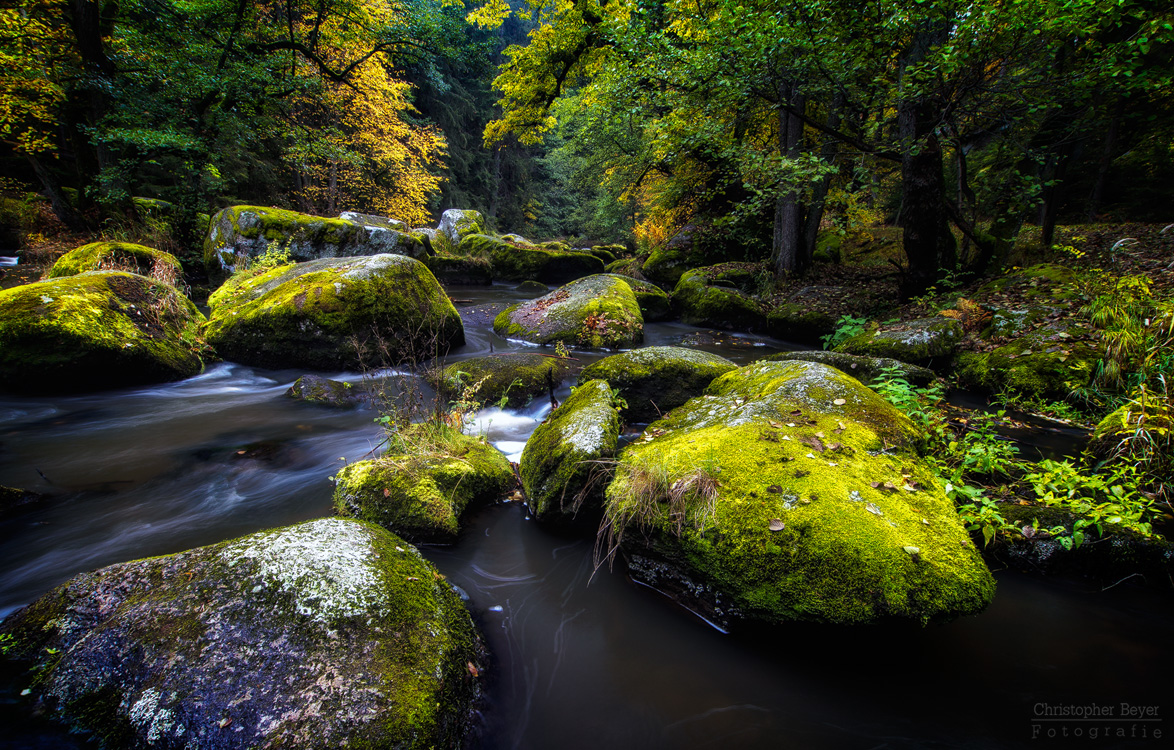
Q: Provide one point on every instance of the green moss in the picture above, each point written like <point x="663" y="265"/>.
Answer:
<point x="656" y="379"/>
<point x="926" y="342"/>
<point x="117" y="256"/>
<point x="865" y="369"/>
<point x="698" y="303"/>
<point x="96" y="330"/>
<point x="666" y="265"/>
<point x="654" y="303"/>
<point x="1045" y="282"/>
<point x="517" y="377"/>
<point x="599" y="311"/>
<point x="516" y="261"/>
<point x="313" y="313"/>
<point x="1042" y="365"/>
<point x="795" y="321"/>
<point x="563" y="466"/>
<point x="780" y="449"/>
<point x="460" y="269"/>
<point x="422" y="494"/>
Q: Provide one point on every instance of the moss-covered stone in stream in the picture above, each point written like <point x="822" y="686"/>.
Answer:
<point x="599" y="312"/>
<point x="460" y="270"/>
<point x="867" y="370"/>
<point x="929" y="342"/>
<point x="246" y="232"/>
<point x="711" y="297"/>
<point x="516" y="261"/>
<point x="421" y="494"/>
<point x="329" y="633"/>
<point x="96" y="330"/>
<point x="653" y="301"/>
<point x="312" y="314"/>
<point x="118" y="256"/>
<point x="316" y="389"/>
<point x="789" y="491"/>
<point x="518" y="377"/>
<point x="565" y="464"/>
<point x="656" y="379"/>
<point x="1048" y="363"/>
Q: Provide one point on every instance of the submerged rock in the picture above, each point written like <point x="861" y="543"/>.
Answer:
<point x="516" y="261"/>
<point x="422" y="490"/>
<point x="599" y="311"/>
<point x="96" y="330"/>
<point x="567" y="461"/>
<point x="789" y="491"/>
<point x="241" y="233"/>
<point x="316" y="389"/>
<point x="119" y="256"/>
<point x="657" y="379"/>
<point x="518" y="377"/>
<point x="926" y="341"/>
<point x="867" y="370"/>
<point x="328" y="633"/>
<point x="313" y="315"/>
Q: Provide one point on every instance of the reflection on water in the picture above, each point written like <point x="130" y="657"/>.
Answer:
<point x="580" y="658"/>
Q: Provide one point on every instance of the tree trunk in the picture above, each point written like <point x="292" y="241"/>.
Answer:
<point x="1098" y="186"/>
<point x="819" y="193"/>
<point x="61" y="208"/>
<point x="929" y="245"/>
<point x="787" y="243"/>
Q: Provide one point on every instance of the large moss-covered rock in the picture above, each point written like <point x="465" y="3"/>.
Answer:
<point x="458" y="223"/>
<point x="240" y="233"/>
<point x="312" y="314"/>
<point x="374" y="221"/>
<point x="422" y="492"/>
<point x="927" y="341"/>
<point x="565" y="464"/>
<point x="1046" y="282"/>
<point x="867" y="370"/>
<point x="599" y="311"/>
<point x="330" y="633"/>
<point x="460" y="270"/>
<point x="711" y="297"/>
<point x="96" y="330"/>
<point x="516" y="376"/>
<point x="657" y="379"/>
<point x="118" y="256"/>
<point x="517" y="261"/>
<point x="789" y="491"/>
<point x="1047" y="362"/>
<point x="653" y="301"/>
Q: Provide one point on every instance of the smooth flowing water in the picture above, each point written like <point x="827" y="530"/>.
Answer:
<point x="580" y="658"/>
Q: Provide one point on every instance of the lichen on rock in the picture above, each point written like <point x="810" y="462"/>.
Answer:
<point x="656" y="379"/>
<point x="789" y="491"/>
<point x="929" y="342"/>
<point x="328" y="633"/>
<point x="566" y="462"/>
<point x="313" y="314"/>
<point x="711" y="297"/>
<point x="867" y="370"/>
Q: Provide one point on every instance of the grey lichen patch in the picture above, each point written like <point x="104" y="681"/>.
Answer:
<point x="324" y="565"/>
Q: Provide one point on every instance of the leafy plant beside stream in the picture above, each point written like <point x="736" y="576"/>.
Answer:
<point x="983" y="474"/>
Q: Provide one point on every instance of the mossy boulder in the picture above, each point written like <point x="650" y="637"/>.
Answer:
<point x="460" y="270"/>
<point x="315" y="389"/>
<point x="711" y="297"/>
<point x="240" y="233"/>
<point x="607" y="253"/>
<point x="94" y="331"/>
<point x="518" y="377"/>
<point x="599" y="312"/>
<point x="421" y="493"/>
<point x="313" y="314"/>
<point x="329" y="633"/>
<point x="373" y="221"/>
<point x="653" y="301"/>
<point x="516" y="261"/>
<point x="565" y="464"/>
<point x="926" y="341"/>
<point x="657" y="379"/>
<point x="118" y="256"/>
<point x="1047" y="282"/>
<point x="808" y="314"/>
<point x="1047" y="362"/>
<point x="456" y="224"/>
<point x="666" y="264"/>
<point x="867" y="370"/>
<point x="789" y="491"/>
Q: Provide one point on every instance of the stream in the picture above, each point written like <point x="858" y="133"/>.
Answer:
<point x="581" y="658"/>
